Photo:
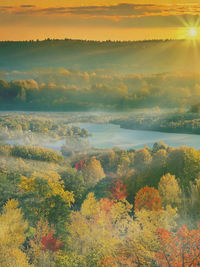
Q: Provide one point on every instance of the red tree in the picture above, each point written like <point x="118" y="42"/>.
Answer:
<point x="179" y="249"/>
<point x="106" y="205"/>
<point x="51" y="243"/>
<point x="148" y="198"/>
<point x="119" y="190"/>
<point x="79" y="165"/>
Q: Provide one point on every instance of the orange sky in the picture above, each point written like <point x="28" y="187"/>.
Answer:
<point x="47" y="3"/>
<point x="97" y="19"/>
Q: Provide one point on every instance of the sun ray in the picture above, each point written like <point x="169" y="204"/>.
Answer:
<point x="193" y="32"/>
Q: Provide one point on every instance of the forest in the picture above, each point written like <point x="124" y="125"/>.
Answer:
<point x="77" y="75"/>
<point x="162" y="121"/>
<point x="96" y="207"/>
<point x="140" y="57"/>
<point x="72" y="90"/>
<point x="67" y="203"/>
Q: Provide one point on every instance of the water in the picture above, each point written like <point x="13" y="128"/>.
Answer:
<point x="110" y="135"/>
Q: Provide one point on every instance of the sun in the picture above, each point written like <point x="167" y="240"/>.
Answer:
<point x="192" y="32"/>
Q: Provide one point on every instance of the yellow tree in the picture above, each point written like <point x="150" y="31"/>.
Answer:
<point x="169" y="190"/>
<point x="12" y="236"/>
<point x="54" y="183"/>
<point x="141" y="242"/>
<point x="96" y="230"/>
<point x="123" y="166"/>
<point x="93" y="171"/>
<point x="90" y="207"/>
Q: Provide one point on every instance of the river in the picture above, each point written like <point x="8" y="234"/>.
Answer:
<point x="111" y="135"/>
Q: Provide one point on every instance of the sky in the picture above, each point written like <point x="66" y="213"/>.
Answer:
<point x="98" y="19"/>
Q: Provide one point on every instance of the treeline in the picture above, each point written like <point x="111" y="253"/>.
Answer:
<point x="106" y="208"/>
<point x="42" y="125"/>
<point x="64" y="90"/>
<point x="30" y="152"/>
<point x="78" y="41"/>
<point x="195" y="108"/>
<point x="172" y="122"/>
<point x="145" y="166"/>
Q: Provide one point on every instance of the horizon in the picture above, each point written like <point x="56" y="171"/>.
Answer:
<point x="93" y="40"/>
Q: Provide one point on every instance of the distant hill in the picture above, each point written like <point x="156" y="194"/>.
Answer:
<point x="144" y="57"/>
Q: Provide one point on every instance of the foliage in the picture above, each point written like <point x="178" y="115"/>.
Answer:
<point x="74" y="181"/>
<point x="96" y="228"/>
<point x="148" y="198"/>
<point x="56" y="215"/>
<point x="180" y="248"/>
<point x="44" y="196"/>
<point x="12" y="236"/>
<point x="118" y="190"/>
<point x="169" y="190"/>
<point x="43" y="244"/>
<point x="142" y="158"/>
<point x="35" y="153"/>
<point x="49" y="242"/>
<point x="92" y="171"/>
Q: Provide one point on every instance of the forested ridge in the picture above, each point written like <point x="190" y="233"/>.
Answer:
<point x="154" y="56"/>
<point x="71" y="75"/>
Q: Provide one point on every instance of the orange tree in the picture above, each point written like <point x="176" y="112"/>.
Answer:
<point x="148" y="198"/>
<point x="181" y="249"/>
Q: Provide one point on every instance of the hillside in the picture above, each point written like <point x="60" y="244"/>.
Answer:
<point x="124" y="57"/>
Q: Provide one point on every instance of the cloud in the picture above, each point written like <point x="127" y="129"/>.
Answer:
<point x="6" y="7"/>
<point x="97" y="22"/>
<point x="27" y="6"/>
<point x="110" y="11"/>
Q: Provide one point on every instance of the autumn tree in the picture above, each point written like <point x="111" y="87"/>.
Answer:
<point x="45" y="196"/>
<point x="169" y="190"/>
<point x="141" y="243"/>
<point x="123" y="165"/>
<point x="109" y="160"/>
<point x="117" y="261"/>
<point x="43" y="244"/>
<point x="12" y="236"/>
<point x="159" y="146"/>
<point x="184" y="162"/>
<point x="157" y="167"/>
<point x="119" y="190"/>
<point x="148" y="198"/>
<point x="90" y="207"/>
<point x="142" y="158"/>
<point x="93" y="171"/>
<point x="95" y="231"/>
<point x="74" y="182"/>
<point x="190" y="209"/>
<point x="180" y="248"/>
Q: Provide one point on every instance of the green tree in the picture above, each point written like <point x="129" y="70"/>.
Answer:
<point x="142" y="158"/>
